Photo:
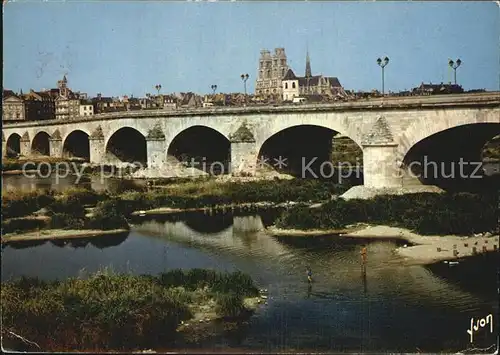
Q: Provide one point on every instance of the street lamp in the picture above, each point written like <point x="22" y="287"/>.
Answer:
<point x="382" y="64"/>
<point x="213" y="87"/>
<point x="245" y="77"/>
<point x="158" y="88"/>
<point x="454" y="66"/>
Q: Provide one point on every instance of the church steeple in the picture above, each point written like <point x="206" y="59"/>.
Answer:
<point x="308" y="65"/>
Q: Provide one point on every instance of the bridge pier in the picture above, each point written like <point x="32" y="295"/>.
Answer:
<point x="243" y="158"/>
<point x="243" y="151"/>
<point x="156" y="149"/>
<point x="25" y="145"/>
<point x="4" y="146"/>
<point x="55" y="145"/>
<point x="97" y="147"/>
<point x="380" y="169"/>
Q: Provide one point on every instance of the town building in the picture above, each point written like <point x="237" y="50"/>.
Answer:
<point x="86" y="108"/>
<point x="102" y="104"/>
<point x="39" y="105"/>
<point x="67" y="103"/>
<point x="272" y="69"/>
<point x="437" y="89"/>
<point x="312" y="86"/>
<point x="13" y="107"/>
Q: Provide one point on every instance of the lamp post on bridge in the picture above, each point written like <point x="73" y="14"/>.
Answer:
<point x="213" y="87"/>
<point x="382" y="64"/>
<point x="158" y="98"/>
<point x="245" y="77"/>
<point x="454" y="66"/>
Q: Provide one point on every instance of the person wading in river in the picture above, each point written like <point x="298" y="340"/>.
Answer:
<point x="309" y="274"/>
<point x="363" y="253"/>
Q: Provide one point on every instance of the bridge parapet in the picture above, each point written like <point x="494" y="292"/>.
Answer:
<point x="387" y="103"/>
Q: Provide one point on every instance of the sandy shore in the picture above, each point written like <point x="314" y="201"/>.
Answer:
<point x="53" y="234"/>
<point x="430" y="249"/>
<point x="279" y="232"/>
<point x="169" y="210"/>
<point x="421" y="250"/>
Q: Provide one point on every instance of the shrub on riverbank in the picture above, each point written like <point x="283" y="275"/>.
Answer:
<point x="424" y="213"/>
<point x="106" y="310"/>
<point x="211" y="193"/>
<point x="18" y="225"/>
<point x="19" y="204"/>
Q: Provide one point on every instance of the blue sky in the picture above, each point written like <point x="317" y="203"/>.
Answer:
<point x="122" y="48"/>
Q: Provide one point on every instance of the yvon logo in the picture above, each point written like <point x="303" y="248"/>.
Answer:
<point x="480" y="323"/>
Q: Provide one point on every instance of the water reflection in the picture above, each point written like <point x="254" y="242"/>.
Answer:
<point x="98" y="242"/>
<point x="53" y="182"/>
<point x="399" y="309"/>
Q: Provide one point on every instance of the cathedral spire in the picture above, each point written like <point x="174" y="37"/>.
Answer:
<point x="308" y="65"/>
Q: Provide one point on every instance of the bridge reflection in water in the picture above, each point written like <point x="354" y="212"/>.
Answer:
<point x="386" y="307"/>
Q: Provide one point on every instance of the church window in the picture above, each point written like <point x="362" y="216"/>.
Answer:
<point x="286" y="85"/>
<point x="293" y="85"/>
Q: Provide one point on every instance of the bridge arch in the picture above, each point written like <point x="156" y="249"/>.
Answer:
<point x="421" y="129"/>
<point x="76" y="144"/>
<point x="41" y="144"/>
<point x="126" y="145"/>
<point x="13" y="145"/>
<point x="207" y="148"/>
<point x="448" y="155"/>
<point x="308" y="150"/>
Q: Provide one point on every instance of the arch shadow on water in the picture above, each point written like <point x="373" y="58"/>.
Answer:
<point x="477" y="274"/>
<point x="195" y="220"/>
<point x="24" y="244"/>
<point x="98" y="242"/>
<point x="332" y="241"/>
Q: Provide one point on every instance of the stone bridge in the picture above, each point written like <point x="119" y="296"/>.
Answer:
<point x="391" y="132"/>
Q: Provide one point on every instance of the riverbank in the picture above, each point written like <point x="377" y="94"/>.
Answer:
<point x="55" y="234"/>
<point x="120" y="312"/>
<point x="422" y="249"/>
<point x="423" y="213"/>
<point x="430" y="249"/>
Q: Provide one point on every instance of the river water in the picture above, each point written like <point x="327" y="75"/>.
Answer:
<point x="389" y="307"/>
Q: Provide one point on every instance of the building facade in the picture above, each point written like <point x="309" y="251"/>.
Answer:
<point x="310" y="85"/>
<point x="272" y="69"/>
<point x="86" y="108"/>
<point x="39" y="106"/>
<point x="13" y="107"/>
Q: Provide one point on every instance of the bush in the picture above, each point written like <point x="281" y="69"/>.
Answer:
<point x="229" y="305"/>
<point x="106" y="311"/>
<point x="84" y="196"/>
<point x="21" y="225"/>
<point x="66" y="221"/>
<point x="67" y="205"/>
<point x="425" y="213"/>
<point x="18" y="204"/>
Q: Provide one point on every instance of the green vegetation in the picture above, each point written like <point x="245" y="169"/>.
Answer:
<point x="65" y="210"/>
<point x="194" y="194"/>
<point x="491" y="150"/>
<point x="109" y="311"/>
<point x="424" y="213"/>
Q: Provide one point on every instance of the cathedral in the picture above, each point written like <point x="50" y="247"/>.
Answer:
<point x="309" y="85"/>
<point x="272" y="69"/>
<point x="277" y="81"/>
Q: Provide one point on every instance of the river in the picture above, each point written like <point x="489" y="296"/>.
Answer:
<point x="390" y="307"/>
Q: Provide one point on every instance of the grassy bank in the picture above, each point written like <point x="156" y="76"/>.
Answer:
<point x="207" y="193"/>
<point x="109" y="311"/>
<point x="66" y="210"/>
<point x="423" y="213"/>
